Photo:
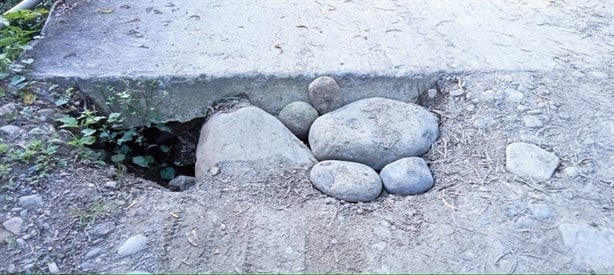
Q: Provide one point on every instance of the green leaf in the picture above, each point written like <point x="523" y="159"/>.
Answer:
<point x="118" y="158"/>
<point x="163" y="128"/>
<point x="164" y="148"/>
<point x="68" y="122"/>
<point x="88" y="132"/>
<point x="89" y="140"/>
<point x="143" y="161"/>
<point x="127" y="136"/>
<point x="114" y="117"/>
<point x="4" y="21"/>
<point x="168" y="173"/>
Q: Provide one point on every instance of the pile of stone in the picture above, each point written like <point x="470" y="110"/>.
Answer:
<point x="348" y="144"/>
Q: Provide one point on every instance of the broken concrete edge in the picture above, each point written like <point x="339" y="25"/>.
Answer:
<point x="183" y="98"/>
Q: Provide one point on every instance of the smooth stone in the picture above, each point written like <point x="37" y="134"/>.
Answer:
<point x="298" y="117"/>
<point x="532" y="122"/>
<point x="111" y="185"/>
<point x="348" y="181"/>
<point x="93" y="253"/>
<point x="8" y="108"/>
<point x="593" y="247"/>
<point x="571" y="172"/>
<point x="132" y="245"/>
<point x="53" y="268"/>
<point x="4" y="234"/>
<point x="457" y="92"/>
<point x="514" y="96"/>
<point x="10" y="130"/>
<point x="542" y="211"/>
<point x="431" y="93"/>
<point x="181" y="183"/>
<point x="373" y="131"/>
<point x="37" y="131"/>
<point x="102" y="229"/>
<point x="31" y="201"/>
<point x="528" y="160"/>
<point x="252" y="138"/>
<point x="13" y="225"/>
<point x="325" y="94"/>
<point x="407" y="176"/>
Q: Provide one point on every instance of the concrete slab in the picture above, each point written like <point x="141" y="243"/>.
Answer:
<point x="199" y="51"/>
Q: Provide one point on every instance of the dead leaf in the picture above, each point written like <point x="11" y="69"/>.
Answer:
<point x="105" y="11"/>
<point x="28" y="98"/>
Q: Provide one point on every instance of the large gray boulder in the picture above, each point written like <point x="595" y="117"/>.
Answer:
<point x="373" y="131"/>
<point x="348" y="181"/>
<point x="250" y="141"/>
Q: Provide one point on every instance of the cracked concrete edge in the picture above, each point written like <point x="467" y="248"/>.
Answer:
<point x="183" y="98"/>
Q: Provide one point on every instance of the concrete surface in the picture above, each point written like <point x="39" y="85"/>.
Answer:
<point x="200" y="51"/>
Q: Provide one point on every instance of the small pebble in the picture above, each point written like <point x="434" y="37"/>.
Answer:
<point x="102" y="229"/>
<point x="37" y="132"/>
<point x="470" y="108"/>
<point x="514" y="96"/>
<point x="10" y="130"/>
<point x="535" y="112"/>
<point x="432" y="93"/>
<point x="214" y="171"/>
<point x="111" y="185"/>
<point x="31" y="201"/>
<point x="93" y="253"/>
<point x="522" y="108"/>
<point x="13" y="225"/>
<point x="28" y="267"/>
<point x="132" y="245"/>
<point x="532" y="122"/>
<point x="53" y="268"/>
<point x="542" y="211"/>
<point x="571" y="172"/>
<point x="8" y="108"/>
<point x="457" y="92"/>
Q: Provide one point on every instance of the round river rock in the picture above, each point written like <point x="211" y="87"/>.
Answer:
<point x="325" y="94"/>
<point x="407" y="176"/>
<point x="298" y="117"/>
<point x="348" y="181"/>
<point x="373" y="131"/>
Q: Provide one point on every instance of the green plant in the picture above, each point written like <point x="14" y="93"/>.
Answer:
<point x="84" y="217"/>
<point x="21" y="27"/>
<point x="127" y="144"/>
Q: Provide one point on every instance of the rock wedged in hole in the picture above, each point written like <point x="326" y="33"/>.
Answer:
<point x="298" y="117"/>
<point x="407" y="176"/>
<point x="374" y="131"/>
<point x="251" y="141"/>
<point x="325" y="94"/>
<point x="348" y="181"/>
<point x="181" y="183"/>
<point x="528" y="160"/>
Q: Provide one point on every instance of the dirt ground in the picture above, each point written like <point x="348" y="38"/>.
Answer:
<point x="477" y="217"/>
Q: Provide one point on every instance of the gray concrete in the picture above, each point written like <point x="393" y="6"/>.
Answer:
<point x="270" y="50"/>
